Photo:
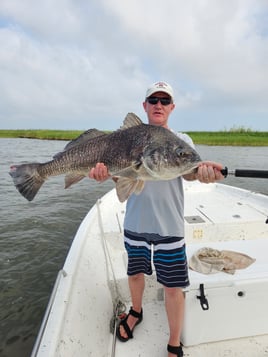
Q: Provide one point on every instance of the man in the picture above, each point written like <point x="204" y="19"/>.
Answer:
<point x="156" y="217"/>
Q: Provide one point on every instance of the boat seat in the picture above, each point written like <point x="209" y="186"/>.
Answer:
<point x="255" y="248"/>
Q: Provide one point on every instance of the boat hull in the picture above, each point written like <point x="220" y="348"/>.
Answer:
<point x="80" y="317"/>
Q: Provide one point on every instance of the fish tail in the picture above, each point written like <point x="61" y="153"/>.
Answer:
<point x="27" y="179"/>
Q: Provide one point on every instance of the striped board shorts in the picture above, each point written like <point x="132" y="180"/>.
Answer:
<point x="167" y="253"/>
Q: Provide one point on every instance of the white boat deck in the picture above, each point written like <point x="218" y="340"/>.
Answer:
<point x="150" y="339"/>
<point x="95" y="274"/>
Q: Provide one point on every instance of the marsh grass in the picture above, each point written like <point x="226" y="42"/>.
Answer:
<point x="41" y="134"/>
<point x="232" y="137"/>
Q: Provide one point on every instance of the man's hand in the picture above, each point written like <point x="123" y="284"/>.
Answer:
<point x="209" y="171"/>
<point x="99" y="172"/>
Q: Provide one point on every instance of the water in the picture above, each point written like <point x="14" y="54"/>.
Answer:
<point x="239" y="158"/>
<point x="35" y="236"/>
<point x="34" y="240"/>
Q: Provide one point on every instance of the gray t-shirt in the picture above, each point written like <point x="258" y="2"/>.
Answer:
<point x="159" y="208"/>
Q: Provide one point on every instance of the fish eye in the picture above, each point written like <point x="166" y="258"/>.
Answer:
<point x="180" y="152"/>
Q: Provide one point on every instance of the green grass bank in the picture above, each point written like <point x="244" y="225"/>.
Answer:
<point x="224" y="138"/>
<point x="230" y="138"/>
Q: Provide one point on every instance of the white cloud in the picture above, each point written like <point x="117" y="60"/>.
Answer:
<point x="83" y="64"/>
<point x="216" y="42"/>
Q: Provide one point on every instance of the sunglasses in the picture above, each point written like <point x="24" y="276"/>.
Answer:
<point x="155" y="100"/>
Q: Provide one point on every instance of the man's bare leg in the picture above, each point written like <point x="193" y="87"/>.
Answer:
<point x="174" y="300"/>
<point x="136" y="286"/>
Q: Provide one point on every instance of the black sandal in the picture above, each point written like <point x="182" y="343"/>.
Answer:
<point x="176" y="350"/>
<point x="123" y="323"/>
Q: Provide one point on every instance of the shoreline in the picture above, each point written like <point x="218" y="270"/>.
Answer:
<point x="217" y="138"/>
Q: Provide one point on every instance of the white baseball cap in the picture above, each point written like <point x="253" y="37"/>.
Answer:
<point x="160" y="87"/>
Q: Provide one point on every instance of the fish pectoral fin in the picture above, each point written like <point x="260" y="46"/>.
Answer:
<point x="73" y="178"/>
<point x="126" y="186"/>
<point x="129" y="172"/>
<point x="139" y="187"/>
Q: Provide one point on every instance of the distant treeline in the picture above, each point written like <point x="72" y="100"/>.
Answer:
<point x="232" y="137"/>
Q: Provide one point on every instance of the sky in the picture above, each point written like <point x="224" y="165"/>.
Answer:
<point x="78" y="64"/>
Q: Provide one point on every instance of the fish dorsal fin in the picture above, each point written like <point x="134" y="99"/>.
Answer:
<point x="84" y="137"/>
<point x="81" y="139"/>
<point x="131" y="120"/>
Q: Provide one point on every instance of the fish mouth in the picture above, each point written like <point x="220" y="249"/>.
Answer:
<point x="194" y="166"/>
